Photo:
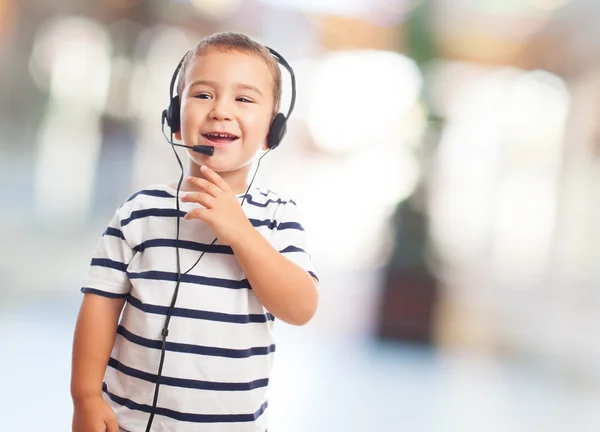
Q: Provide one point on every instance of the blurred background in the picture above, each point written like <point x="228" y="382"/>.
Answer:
<point x="445" y="154"/>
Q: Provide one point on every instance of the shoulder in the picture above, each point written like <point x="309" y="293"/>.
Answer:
<point x="152" y="195"/>
<point x="266" y="203"/>
<point x="153" y="191"/>
<point x="156" y="196"/>
<point x="285" y="212"/>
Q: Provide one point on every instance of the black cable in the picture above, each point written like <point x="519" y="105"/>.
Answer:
<point x="165" y="330"/>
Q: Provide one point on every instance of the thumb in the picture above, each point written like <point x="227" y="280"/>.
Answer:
<point x="112" y="425"/>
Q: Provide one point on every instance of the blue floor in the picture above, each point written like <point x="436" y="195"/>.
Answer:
<point x="320" y="383"/>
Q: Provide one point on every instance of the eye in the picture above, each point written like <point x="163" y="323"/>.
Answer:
<point x="244" y="100"/>
<point x="202" y="96"/>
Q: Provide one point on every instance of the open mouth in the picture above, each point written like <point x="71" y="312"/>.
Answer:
<point x="220" y="137"/>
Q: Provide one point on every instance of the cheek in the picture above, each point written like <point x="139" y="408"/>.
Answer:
<point x="259" y="132"/>
<point x="188" y="119"/>
<point x="262" y="124"/>
<point x="186" y="114"/>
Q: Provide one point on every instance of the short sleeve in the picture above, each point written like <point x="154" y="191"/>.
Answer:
<point x="107" y="274"/>
<point x="290" y="238"/>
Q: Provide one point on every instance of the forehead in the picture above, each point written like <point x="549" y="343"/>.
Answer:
<point x="230" y="68"/>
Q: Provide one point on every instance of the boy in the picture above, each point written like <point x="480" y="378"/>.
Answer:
<point x="220" y="347"/>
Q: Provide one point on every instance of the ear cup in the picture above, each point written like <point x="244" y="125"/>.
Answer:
<point x="277" y="131"/>
<point x="173" y="113"/>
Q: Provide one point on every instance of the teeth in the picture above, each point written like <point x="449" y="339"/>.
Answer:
<point x="221" y="135"/>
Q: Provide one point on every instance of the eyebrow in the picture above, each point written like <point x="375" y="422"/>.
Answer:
<point x="238" y="85"/>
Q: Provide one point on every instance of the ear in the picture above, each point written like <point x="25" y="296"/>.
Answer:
<point x="178" y="135"/>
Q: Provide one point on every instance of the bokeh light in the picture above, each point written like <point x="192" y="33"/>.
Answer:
<point x="373" y="91"/>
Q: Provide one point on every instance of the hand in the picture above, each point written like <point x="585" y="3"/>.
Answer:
<point x="93" y="414"/>
<point x="222" y="211"/>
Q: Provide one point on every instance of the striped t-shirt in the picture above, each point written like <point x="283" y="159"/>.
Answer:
<point x="220" y="346"/>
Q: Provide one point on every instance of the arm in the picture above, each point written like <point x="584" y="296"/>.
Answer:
<point x="105" y="289"/>
<point x="283" y="287"/>
<point x="95" y="334"/>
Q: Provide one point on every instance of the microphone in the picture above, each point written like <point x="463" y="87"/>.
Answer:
<point x="203" y="149"/>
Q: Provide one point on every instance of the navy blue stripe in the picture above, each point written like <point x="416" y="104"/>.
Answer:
<point x="188" y="278"/>
<point x="289" y="225"/>
<point x="313" y="275"/>
<point x="273" y="224"/>
<point x="268" y="223"/>
<point x="115" y="232"/>
<point x="105" y="262"/>
<point x="87" y="290"/>
<point x="251" y="201"/>
<point x="187" y="417"/>
<point x="292" y="248"/>
<point x="159" y="212"/>
<point x="151" y="192"/>
<point x="184" y="244"/>
<point x="156" y="212"/>
<point x="196" y="349"/>
<point x="188" y="383"/>
<point x="200" y="314"/>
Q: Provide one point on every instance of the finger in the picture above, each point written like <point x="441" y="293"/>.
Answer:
<point x="215" y="178"/>
<point x="206" y="185"/>
<point x="199" y="213"/>
<point x="112" y="425"/>
<point x="201" y="198"/>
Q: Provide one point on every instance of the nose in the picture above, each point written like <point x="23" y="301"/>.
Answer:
<point x="220" y="111"/>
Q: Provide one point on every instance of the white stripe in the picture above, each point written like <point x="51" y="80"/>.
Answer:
<point x="190" y="401"/>
<point x="182" y="365"/>
<point x="199" y="297"/>
<point x="198" y="332"/>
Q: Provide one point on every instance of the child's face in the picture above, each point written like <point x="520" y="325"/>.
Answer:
<point x="226" y="93"/>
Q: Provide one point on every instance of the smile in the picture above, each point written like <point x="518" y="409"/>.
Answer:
<point x="220" y="137"/>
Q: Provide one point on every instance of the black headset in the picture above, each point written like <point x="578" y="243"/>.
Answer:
<point x="278" y="126"/>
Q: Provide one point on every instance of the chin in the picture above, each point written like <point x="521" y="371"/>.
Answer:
<point x="217" y="164"/>
<point x="222" y="161"/>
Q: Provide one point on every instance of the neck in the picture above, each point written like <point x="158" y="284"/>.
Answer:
<point x="237" y="179"/>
